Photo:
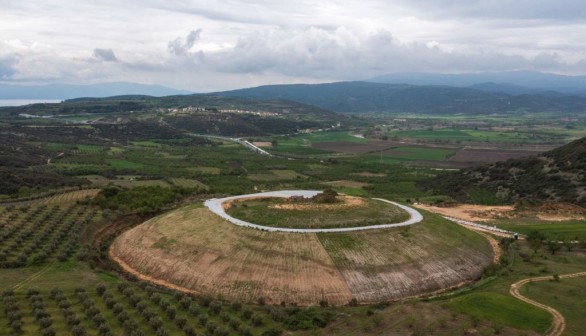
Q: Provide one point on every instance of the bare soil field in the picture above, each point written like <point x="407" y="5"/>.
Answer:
<point x="489" y="156"/>
<point x="369" y="174"/>
<point x="71" y="197"/>
<point x="262" y="143"/>
<point x="346" y="184"/>
<point x="472" y="212"/>
<point x="399" y="263"/>
<point x="197" y="251"/>
<point x="349" y="147"/>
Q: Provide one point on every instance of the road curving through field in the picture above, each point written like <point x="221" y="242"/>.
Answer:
<point x="559" y="323"/>
<point x="216" y="205"/>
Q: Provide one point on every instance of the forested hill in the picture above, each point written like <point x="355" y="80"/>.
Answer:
<point x="558" y="175"/>
<point x="356" y="97"/>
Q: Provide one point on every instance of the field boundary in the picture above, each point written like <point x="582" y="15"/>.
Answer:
<point x="558" y="323"/>
<point x="216" y="205"/>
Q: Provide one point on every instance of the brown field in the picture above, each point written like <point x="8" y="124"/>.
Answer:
<point x="390" y="264"/>
<point x="203" y="252"/>
<point x="349" y="147"/>
<point x="195" y="250"/>
<point x="262" y="143"/>
<point x="472" y="212"/>
<point x="369" y="174"/>
<point x="71" y="197"/>
<point x="489" y="156"/>
<point x="346" y="184"/>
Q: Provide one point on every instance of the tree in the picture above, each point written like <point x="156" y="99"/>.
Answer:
<point x="553" y="246"/>
<point x="535" y="240"/>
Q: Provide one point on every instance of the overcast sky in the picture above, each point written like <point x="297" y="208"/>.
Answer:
<point x="223" y="44"/>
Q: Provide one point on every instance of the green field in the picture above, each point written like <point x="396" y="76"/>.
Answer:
<point x="568" y="229"/>
<point x="504" y="310"/>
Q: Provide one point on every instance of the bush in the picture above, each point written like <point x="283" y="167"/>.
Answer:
<point x="215" y="307"/>
<point x="256" y="320"/>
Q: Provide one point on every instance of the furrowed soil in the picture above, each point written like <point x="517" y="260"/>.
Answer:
<point x="397" y="263"/>
<point x="198" y="251"/>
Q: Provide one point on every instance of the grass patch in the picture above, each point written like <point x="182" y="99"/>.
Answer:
<point x="503" y="309"/>
<point x="349" y="213"/>
<point x="568" y="229"/>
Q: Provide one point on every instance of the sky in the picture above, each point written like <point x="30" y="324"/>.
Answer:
<point x="216" y="45"/>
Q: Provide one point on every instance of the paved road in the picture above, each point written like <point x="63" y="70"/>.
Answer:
<point x="215" y="205"/>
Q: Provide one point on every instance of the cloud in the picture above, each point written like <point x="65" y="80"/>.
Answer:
<point x="181" y="46"/>
<point x="106" y="55"/>
<point x="7" y="67"/>
<point x="345" y="54"/>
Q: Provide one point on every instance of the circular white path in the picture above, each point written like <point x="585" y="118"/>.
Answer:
<point x="216" y="206"/>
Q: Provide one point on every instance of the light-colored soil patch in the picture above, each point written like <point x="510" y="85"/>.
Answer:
<point x="346" y="202"/>
<point x="472" y="212"/>
<point x="196" y="250"/>
<point x="557" y="212"/>
<point x="262" y="144"/>
<point x="72" y="197"/>
<point x="368" y="174"/>
<point x="346" y="184"/>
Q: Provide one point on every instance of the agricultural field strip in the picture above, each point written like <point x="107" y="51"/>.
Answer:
<point x="558" y="323"/>
<point x="244" y="143"/>
<point x="215" y="205"/>
<point x="492" y="229"/>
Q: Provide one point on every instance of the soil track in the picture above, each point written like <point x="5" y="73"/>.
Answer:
<point x="559" y="323"/>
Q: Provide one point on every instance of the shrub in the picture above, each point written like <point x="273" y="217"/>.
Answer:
<point x="180" y="322"/>
<point x="256" y="320"/>
<point x="215" y="307"/>
<point x="78" y="331"/>
<point x="236" y="306"/>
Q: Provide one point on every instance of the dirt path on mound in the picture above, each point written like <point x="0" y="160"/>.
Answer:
<point x="559" y="323"/>
<point x="145" y="277"/>
<point x="496" y="248"/>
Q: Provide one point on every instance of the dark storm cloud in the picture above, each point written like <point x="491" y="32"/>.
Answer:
<point x="106" y="55"/>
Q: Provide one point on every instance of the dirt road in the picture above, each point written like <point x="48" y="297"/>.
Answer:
<point x="559" y="323"/>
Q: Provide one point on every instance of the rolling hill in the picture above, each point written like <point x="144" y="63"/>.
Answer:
<point x="558" y="175"/>
<point x="358" y="97"/>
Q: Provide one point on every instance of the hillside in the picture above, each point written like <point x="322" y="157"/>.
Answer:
<point x="356" y="97"/>
<point x="230" y="116"/>
<point x="558" y="175"/>
<point x="67" y="91"/>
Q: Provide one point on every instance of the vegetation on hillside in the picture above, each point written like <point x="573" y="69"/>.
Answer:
<point x="558" y="175"/>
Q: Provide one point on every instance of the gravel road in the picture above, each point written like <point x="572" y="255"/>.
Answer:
<point x="215" y="205"/>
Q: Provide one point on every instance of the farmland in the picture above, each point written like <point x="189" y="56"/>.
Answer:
<point x="76" y="198"/>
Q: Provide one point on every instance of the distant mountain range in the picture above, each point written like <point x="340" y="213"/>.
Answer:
<point x="360" y="97"/>
<point x="513" y="82"/>
<point x="68" y="91"/>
